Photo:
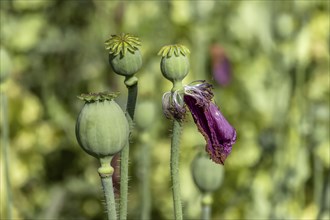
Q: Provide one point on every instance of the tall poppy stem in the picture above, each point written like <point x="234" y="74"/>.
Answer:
<point x="145" y="183"/>
<point x="175" y="149"/>
<point x="106" y="172"/>
<point x="132" y="86"/>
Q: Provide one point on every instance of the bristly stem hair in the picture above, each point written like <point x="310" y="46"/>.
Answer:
<point x="106" y="172"/>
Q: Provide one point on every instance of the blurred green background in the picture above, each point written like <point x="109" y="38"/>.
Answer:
<point x="277" y="99"/>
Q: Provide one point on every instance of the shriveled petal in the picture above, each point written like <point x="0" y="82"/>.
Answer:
<point x="166" y="104"/>
<point x="218" y="133"/>
<point x="173" y="105"/>
<point x="200" y="90"/>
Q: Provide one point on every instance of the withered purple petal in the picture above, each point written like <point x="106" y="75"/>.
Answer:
<point x="173" y="105"/>
<point x="166" y="101"/>
<point x="218" y="133"/>
<point x="200" y="90"/>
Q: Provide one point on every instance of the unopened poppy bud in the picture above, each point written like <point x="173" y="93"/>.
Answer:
<point x="207" y="175"/>
<point x="124" y="55"/>
<point x="101" y="128"/>
<point x="174" y="64"/>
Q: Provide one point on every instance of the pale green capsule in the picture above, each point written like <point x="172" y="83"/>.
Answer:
<point x="175" y="63"/>
<point x="102" y="129"/>
<point x="126" y="65"/>
<point x="175" y="68"/>
<point x="207" y="175"/>
<point x="124" y="55"/>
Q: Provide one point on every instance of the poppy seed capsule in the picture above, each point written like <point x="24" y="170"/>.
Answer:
<point x="126" y="65"/>
<point x="207" y="175"/>
<point x="124" y="55"/>
<point x="174" y="64"/>
<point x="101" y="128"/>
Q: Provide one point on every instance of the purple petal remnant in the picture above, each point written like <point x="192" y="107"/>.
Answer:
<point x="173" y="105"/>
<point x="218" y="133"/>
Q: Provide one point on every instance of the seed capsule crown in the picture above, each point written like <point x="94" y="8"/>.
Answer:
<point x="124" y="54"/>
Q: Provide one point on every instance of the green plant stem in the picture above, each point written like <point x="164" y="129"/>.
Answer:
<point x="106" y="172"/>
<point x="124" y="155"/>
<point x="144" y="178"/>
<point x="317" y="180"/>
<point x="206" y="205"/>
<point x="109" y="197"/>
<point x="132" y="87"/>
<point x="5" y="153"/>
<point x="324" y="198"/>
<point x="206" y="212"/>
<point x="175" y="149"/>
<point x="131" y="99"/>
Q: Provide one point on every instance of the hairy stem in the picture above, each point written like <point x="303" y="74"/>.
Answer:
<point x="5" y="153"/>
<point x="175" y="149"/>
<point x="132" y="87"/>
<point x="106" y="172"/>
<point x="124" y="155"/>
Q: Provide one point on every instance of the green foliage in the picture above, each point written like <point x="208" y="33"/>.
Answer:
<point x="278" y="101"/>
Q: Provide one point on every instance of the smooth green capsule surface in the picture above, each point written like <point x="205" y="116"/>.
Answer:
<point x="126" y="65"/>
<point x="175" y="68"/>
<point x="102" y="128"/>
<point x="207" y="175"/>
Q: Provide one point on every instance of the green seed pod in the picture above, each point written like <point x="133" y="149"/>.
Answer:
<point x="174" y="64"/>
<point x="5" y="64"/>
<point x="207" y="175"/>
<point x="145" y="114"/>
<point x="126" y="65"/>
<point x="101" y="128"/>
<point x="124" y="55"/>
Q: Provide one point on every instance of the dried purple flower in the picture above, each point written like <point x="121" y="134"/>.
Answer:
<point x="218" y="133"/>
<point x="173" y="105"/>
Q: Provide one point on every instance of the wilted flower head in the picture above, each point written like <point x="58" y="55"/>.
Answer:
<point x="197" y="96"/>
<point x="173" y="105"/>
